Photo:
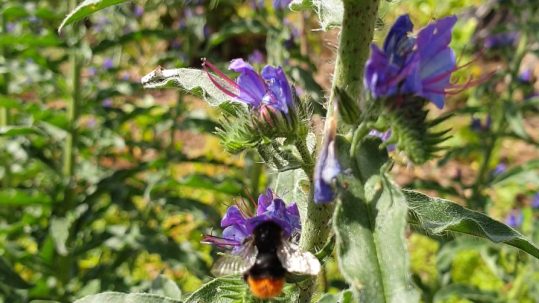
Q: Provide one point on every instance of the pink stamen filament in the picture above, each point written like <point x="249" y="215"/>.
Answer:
<point x="246" y="207"/>
<point x="214" y="80"/>
<point x="242" y="212"/>
<point x="251" y="198"/>
<point x="220" y="73"/>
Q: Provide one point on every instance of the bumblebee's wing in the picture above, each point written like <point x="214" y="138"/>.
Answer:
<point x="295" y="260"/>
<point x="236" y="264"/>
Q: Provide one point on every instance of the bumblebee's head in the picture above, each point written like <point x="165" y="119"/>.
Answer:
<point x="267" y="235"/>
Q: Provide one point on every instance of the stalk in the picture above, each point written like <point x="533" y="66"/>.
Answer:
<point x="354" y="48"/>
<point x="64" y="263"/>
<point x="4" y="112"/>
<point x="175" y="116"/>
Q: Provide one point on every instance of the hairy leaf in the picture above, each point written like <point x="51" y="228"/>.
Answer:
<point x="9" y="277"/>
<point x="117" y="297"/>
<point x="438" y="215"/>
<point x="195" y="81"/>
<point x="164" y="286"/>
<point x="369" y="223"/>
<point x="343" y="297"/>
<point x="87" y="8"/>
<point x="221" y="290"/>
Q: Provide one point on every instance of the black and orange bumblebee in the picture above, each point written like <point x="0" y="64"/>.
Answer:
<point x="265" y="259"/>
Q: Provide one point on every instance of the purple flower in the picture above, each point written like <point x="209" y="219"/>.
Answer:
<point x="10" y="27"/>
<point x="125" y="76"/>
<point x="257" y="4"/>
<point x="138" y="10"/>
<point x="108" y="63"/>
<point x="501" y="39"/>
<point x="270" y="87"/>
<point x="384" y="136"/>
<point x="514" y="219"/>
<point x="525" y="76"/>
<point x="478" y="126"/>
<point x="535" y="201"/>
<point x="421" y="66"/>
<point x="256" y="57"/>
<point x="327" y="167"/>
<point x="281" y="4"/>
<point x="107" y="102"/>
<point x="240" y="221"/>
<point x="92" y="71"/>
<point x="500" y="168"/>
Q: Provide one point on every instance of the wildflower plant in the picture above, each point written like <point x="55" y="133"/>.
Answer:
<point x="337" y="184"/>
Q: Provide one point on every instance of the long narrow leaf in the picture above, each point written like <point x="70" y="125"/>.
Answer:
<point x="439" y="215"/>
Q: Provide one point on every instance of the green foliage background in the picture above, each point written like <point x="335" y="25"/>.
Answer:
<point x="113" y="193"/>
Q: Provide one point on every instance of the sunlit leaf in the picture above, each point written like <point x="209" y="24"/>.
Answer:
<point x="116" y="297"/>
<point x="369" y="224"/>
<point x="439" y="215"/>
<point x="9" y="277"/>
<point x="59" y="230"/>
<point x="221" y="290"/>
<point x="343" y="297"/>
<point x="7" y="131"/>
<point x="87" y="8"/>
<point x="163" y="286"/>
<point x="12" y="196"/>
<point x="195" y="81"/>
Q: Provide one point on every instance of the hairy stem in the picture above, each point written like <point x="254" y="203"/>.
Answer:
<point x="308" y="162"/>
<point x="65" y="262"/>
<point x="356" y="35"/>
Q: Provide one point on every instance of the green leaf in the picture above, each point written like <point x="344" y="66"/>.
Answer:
<point x="87" y="8"/>
<point x="343" y="297"/>
<point x="239" y="27"/>
<point x="466" y="292"/>
<point x="9" y="103"/>
<point x="522" y="174"/>
<point x="220" y="290"/>
<point x="12" y="196"/>
<point x="439" y="215"/>
<point x="163" y="286"/>
<point x="9" y="277"/>
<point x="195" y="81"/>
<point x="59" y="231"/>
<point x="369" y="224"/>
<point x="330" y="12"/>
<point x="8" y="131"/>
<point x="14" y="11"/>
<point x="117" y="297"/>
<point x="514" y="118"/>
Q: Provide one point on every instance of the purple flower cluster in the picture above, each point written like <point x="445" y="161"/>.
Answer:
<point x="478" y="126"/>
<point x="327" y="167"/>
<point x="270" y="87"/>
<point x="515" y="218"/>
<point x="421" y="66"/>
<point x="240" y="221"/>
<point x="501" y="39"/>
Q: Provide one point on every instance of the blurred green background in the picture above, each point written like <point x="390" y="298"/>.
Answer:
<point x="104" y="186"/>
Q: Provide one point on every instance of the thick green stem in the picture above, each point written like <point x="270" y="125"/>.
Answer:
<point x="4" y="112"/>
<point x="65" y="262"/>
<point x="354" y="49"/>
<point x="308" y="162"/>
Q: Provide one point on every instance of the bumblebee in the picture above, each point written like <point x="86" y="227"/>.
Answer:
<point x="265" y="259"/>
